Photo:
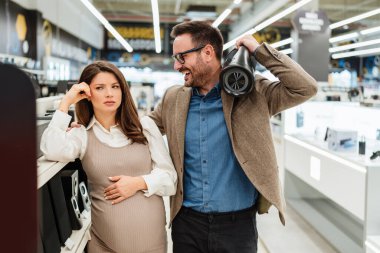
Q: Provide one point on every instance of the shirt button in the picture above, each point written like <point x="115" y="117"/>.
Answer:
<point x="206" y="183"/>
<point x="204" y="161"/>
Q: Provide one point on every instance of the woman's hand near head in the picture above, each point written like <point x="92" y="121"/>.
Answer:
<point x="123" y="188"/>
<point x="75" y="94"/>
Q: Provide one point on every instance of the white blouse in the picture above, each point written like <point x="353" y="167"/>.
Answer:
<point x="58" y="144"/>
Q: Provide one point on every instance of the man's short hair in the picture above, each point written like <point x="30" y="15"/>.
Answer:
<point x="202" y="33"/>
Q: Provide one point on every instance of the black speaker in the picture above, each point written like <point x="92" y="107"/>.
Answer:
<point x="60" y="210"/>
<point x="74" y="213"/>
<point x="69" y="179"/>
<point x="84" y="199"/>
<point x="70" y="183"/>
<point x="48" y="227"/>
<point x="237" y="75"/>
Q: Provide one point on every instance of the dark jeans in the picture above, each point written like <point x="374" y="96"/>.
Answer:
<point x="193" y="232"/>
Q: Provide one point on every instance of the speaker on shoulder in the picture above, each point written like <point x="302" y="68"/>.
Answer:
<point x="70" y="183"/>
<point x="84" y="199"/>
<point x="59" y="207"/>
<point x="48" y="227"/>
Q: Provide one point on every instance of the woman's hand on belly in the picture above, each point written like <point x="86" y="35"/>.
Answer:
<point x="123" y="188"/>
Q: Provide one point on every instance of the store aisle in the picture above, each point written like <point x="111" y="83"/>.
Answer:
<point x="296" y="237"/>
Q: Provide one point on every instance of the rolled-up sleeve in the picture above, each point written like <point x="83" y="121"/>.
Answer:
<point x="163" y="178"/>
<point x="59" y="145"/>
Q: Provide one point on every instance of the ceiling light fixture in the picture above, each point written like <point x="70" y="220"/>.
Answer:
<point x="370" y="30"/>
<point x="225" y="13"/>
<point x="354" y="34"/>
<point x="268" y="22"/>
<point x="354" y="45"/>
<point x="156" y="26"/>
<point x="287" y="51"/>
<point x="356" y="53"/>
<point x="107" y="25"/>
<point x="344" y="37"/>
<point x="282" y="43"/>
<point x="355" y="18"/>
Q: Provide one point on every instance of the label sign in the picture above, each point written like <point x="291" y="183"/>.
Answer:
<point x="310" y="22"/>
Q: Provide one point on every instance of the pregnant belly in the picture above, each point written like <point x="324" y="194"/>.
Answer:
<point x="137" y="222"/>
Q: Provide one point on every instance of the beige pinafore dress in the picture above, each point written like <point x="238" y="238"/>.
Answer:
<point x="134" y="225"/>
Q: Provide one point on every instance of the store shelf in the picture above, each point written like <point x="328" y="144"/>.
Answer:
<point x="324" y="218"/>
<point x="80" y="237"/>
<point x="275" y="121"/>
<point x="46" y="170"/>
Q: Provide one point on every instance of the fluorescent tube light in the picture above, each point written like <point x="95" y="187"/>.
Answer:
<point x="268" y="22"/>
<point x="222" y="16"/>
<point x="156" y="26"/>
<point x="355" y="18"/>
<point x="354" y="34"/>
<point x="282" y="43"/>
<point x="225" y="13"/>
<point x="286" y="51"/>
<point x="356" y="53"/>
<point x="370" y="30"/>
<point x="107" y="25"/>
<point x="344" y="37"/>
<point x="281" y="14"/>
<point x="177" y="6"/>
<point x="354" y="45"/>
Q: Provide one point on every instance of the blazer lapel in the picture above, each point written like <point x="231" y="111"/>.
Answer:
<point x="182" y="108"/>
<point x="228" y="102"/>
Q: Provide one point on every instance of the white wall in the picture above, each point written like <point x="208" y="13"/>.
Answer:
<point x="71" y="16"/>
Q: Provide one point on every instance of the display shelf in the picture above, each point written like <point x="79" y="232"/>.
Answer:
<point x="348" y="215"/>
<point x="326" y="225"/>
<point x="275" y="121"/>
<point x="46" y="170"/>
<point x="80" y="237"/>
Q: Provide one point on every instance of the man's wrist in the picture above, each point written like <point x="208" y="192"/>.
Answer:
<point x="255" y="51"/>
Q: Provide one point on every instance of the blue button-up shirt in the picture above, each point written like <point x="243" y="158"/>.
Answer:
<point x="213" y="180"/>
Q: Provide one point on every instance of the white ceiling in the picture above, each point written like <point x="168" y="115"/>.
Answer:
<point x="173" y="11"/>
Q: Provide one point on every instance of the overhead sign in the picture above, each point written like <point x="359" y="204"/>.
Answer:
<point x="139" y="36"/>
<point x="310" y="22"/>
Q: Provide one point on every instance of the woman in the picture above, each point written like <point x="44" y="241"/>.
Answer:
<point x="126" y="161"/>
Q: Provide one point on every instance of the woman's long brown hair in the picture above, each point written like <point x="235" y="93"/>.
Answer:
<point x="126" y="115"/>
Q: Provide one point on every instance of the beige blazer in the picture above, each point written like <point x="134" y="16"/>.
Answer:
<point x="248" y="122"/>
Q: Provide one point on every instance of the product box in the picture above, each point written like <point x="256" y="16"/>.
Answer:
<point x="342" y="140"/>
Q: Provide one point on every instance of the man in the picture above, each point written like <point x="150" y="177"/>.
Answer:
<point x="221" y="145"/>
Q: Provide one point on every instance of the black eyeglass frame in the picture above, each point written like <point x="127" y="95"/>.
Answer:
<point x="179" y="56"/>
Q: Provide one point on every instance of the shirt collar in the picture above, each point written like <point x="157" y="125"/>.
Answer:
<point x="94" y="121"/>
<point x="215" y="91"/>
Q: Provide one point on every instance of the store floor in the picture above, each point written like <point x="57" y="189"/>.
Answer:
<point x="296" y="237"/>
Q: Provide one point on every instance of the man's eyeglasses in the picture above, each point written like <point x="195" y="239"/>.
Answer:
<point x="179" y="56"/>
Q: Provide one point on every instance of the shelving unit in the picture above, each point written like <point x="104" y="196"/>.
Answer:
<point x="349" y="215"/>
<point x="45" y="171"/>
<point x="80" y="237"/>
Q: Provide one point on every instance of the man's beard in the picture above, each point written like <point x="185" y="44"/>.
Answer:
<point x="199" y="75"/>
